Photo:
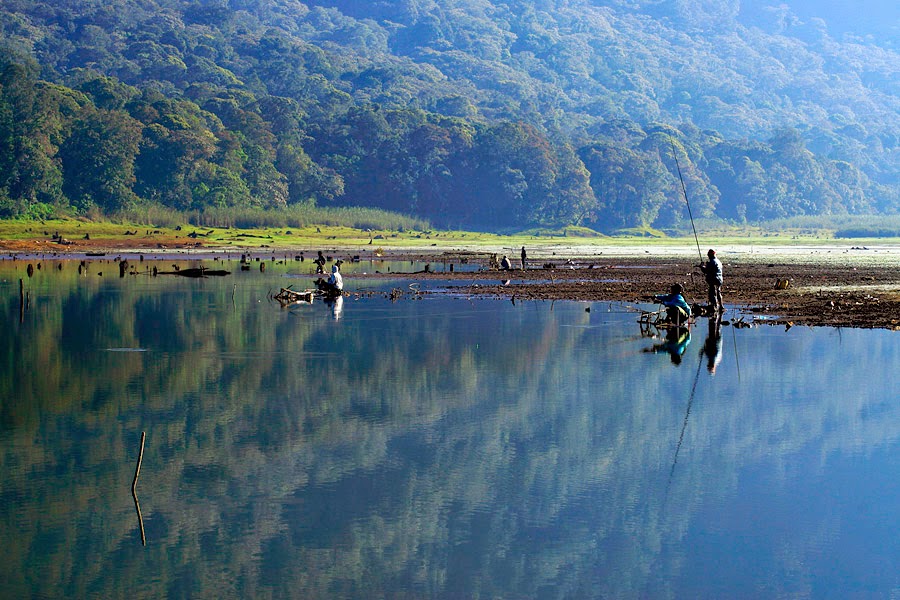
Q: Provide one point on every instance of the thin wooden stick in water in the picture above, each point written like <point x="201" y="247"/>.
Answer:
<point x="137" y="505"/>
<point x="137" y="471"/>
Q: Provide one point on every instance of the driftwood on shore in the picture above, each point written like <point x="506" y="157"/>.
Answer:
<point x="196" y="272"/>
<point x="288" y="296"/>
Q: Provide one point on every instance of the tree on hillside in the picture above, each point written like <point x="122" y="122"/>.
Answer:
<point x="630" y="185"/>
<point x="514" y="171"/>
<point x="32" y="121"/>
<point x="98" y="159"/>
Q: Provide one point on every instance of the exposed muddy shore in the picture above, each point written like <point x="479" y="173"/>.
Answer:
<point x="829" y="285"/>
<point x="838" y="293"/>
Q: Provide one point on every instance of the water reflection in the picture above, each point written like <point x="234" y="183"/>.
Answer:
<point x="434" y="448"/>
<point x="673" y="341"/>
<point x="712" y="348"/>
<point x="337" y="307"/>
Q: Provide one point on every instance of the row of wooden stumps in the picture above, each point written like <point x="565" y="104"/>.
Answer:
<point x="137" y="505"/>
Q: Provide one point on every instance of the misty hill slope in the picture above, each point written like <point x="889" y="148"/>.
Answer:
<point x="468" y="111"/>
<point x="743" y="72"/>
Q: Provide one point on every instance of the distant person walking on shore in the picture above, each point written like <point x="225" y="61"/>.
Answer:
<point x="524" y="257"/>
<point x="712" y="269"/>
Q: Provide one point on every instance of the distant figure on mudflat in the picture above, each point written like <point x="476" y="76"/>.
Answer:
<point x="524" y="257"/>
<point x="505" y="263"/>
<point x="320" y="263"/>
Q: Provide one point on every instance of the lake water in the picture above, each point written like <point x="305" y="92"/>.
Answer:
<point x="440" y="447"/>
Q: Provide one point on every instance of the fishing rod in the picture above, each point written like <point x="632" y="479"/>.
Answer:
<point x="688" y="202"/>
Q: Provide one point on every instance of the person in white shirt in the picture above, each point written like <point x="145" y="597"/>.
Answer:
<point x="334" y="285"/>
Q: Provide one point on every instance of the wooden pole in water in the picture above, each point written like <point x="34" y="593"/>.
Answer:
<point x="21" y="301"/>
<point x="137" y="470"/>
<point x="137" y="505"/>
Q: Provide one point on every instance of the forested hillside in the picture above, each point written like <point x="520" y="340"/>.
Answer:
<point x="471" y="113"/>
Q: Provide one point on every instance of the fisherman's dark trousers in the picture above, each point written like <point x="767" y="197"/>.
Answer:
<point x="715" y="297"/>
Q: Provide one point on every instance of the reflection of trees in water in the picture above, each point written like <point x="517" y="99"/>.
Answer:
<point x="486" y="454"/>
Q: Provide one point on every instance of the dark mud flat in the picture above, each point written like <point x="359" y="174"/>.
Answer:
<point x="816" y="294"/>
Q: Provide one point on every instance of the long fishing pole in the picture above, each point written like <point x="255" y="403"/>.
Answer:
<point x="688" y="202"/>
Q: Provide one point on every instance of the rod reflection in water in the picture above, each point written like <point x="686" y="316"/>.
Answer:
<point x="687" y="414"/>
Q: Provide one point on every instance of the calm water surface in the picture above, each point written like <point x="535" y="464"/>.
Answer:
<point x="433" y="448"/>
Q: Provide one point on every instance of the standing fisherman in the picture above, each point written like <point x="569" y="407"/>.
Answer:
<point x="524" y="256"/>
<point x="712" y="269"/>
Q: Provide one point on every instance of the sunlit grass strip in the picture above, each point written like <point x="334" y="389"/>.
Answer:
<point x="309" y="227"/>
<point x="257" y="218"/>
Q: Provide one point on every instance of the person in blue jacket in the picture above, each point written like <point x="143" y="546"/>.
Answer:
<point x="677" y="308"/>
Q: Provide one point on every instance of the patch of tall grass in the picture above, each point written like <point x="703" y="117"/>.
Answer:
<point x="293" y="216"/>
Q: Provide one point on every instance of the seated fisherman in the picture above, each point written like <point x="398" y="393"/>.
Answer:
<point x="334" y="285"/>
<point x="677" y="308"/>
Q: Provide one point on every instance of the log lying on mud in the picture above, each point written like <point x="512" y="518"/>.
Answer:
<point x="288" y="296"/>
<point x="196" y="272"/>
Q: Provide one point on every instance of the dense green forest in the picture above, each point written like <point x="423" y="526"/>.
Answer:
<point x="469" y="113"/>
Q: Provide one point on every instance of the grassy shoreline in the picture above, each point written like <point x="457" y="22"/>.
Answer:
<point x="76" y="237"/>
